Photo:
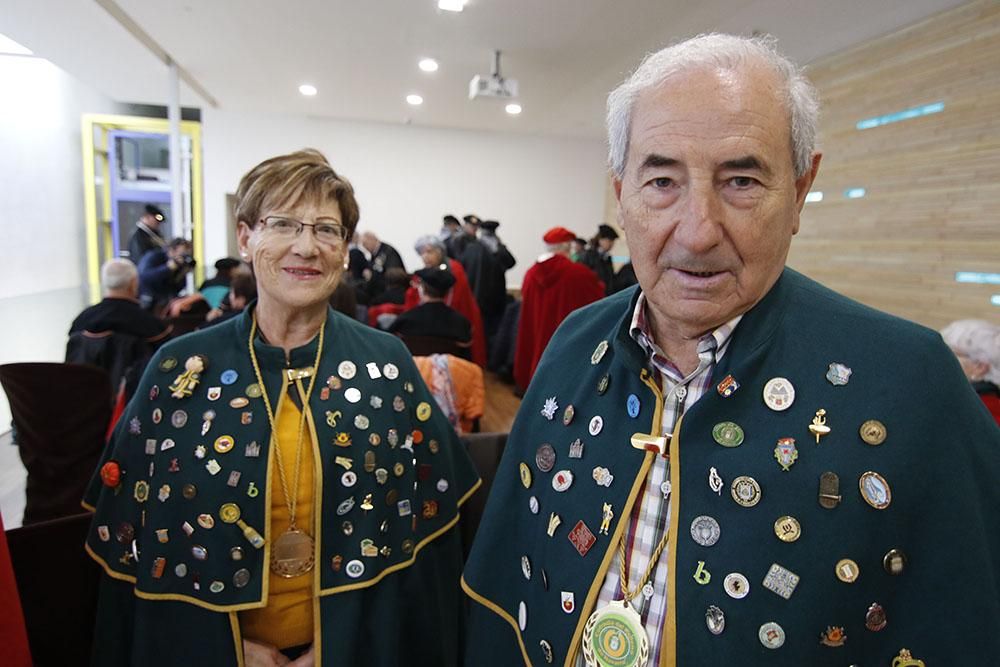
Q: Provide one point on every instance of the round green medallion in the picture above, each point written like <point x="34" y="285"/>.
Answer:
<point x="728" y="434"/>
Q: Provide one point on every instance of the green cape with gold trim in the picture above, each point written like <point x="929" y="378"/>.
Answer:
<point x="940" y="459"/>
<point x="179" y="570"/>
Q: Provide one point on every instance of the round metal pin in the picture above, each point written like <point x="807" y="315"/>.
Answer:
<point x="771" y="635"/>
<point x="562" y="480"/>
<point x="779" y="394"/>
<point x="736" y="585"/>
<point x="347" y="370"/>
<point x="873" y="432"/>
<point x="847" y="570"/>
<point x="705" y="530"/>
<point x="545" y="457"/>
<point x="728" y="434"/>
<point x="745" y="491"/>
<point x="787" y="529"/>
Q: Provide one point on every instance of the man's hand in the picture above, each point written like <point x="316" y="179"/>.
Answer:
<point x="256" y="654"/>
<point x="307" y="659"/>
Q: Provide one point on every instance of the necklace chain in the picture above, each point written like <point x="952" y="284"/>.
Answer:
<point x="290" y="499"/>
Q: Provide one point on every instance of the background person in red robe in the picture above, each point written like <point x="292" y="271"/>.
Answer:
<point x="552" y="289"/>
<point x="432" y="251"/>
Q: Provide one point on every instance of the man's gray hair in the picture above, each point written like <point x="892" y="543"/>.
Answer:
<point x="116" y="274"/>
<point x="717" y="51"/>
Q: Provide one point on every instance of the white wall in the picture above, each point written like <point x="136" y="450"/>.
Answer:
<point x="406" y="178"/>
<point x="42" y="236"/>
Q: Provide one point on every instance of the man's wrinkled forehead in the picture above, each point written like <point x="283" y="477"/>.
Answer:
<point x="696" y="101"/>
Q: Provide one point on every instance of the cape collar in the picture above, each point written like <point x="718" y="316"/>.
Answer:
<point x="756" y="328"/>
<point x="271" y="357"/>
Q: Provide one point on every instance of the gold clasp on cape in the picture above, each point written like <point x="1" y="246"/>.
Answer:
<point x="654" y="443"/>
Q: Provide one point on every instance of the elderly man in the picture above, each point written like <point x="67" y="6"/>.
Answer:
<point x="731" y="464"/>
<point x="381" y="258"/>
<point x="119" y="310"/>
<point x="552" y="288"/>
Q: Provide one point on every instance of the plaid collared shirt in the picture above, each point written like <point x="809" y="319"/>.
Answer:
<point x="650" y="518"/>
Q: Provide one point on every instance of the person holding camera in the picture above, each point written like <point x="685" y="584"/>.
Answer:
<point x="162" y="273"/>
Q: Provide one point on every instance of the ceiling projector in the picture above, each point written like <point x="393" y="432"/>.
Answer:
<point x="493" y="85"/>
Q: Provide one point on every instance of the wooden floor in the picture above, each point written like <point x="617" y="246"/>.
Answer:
<point x="501" y="405"/>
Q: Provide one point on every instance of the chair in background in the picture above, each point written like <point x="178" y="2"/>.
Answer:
<point x="61" y="412"/>
<point x="123" y="356"/>
<point x="422" y="346"/>
<point x="485" y="450"/>
<point x="58" y="585"/>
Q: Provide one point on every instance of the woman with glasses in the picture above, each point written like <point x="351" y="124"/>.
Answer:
<point x="283" y="489"/>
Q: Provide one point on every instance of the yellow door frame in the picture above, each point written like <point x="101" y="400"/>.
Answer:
<point x="106" y="123"/>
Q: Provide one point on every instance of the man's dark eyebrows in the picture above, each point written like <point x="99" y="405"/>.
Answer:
<point x="654" y="160"/>
<point x="746" y="163"/>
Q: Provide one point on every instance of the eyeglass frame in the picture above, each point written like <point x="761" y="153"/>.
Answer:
<point x="345" y="233"/>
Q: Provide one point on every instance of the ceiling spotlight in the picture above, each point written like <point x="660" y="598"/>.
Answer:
<point x="513" y="109"/>
<point x="307" y="89"/>
<point x="428" y="65"/>
<point x="451" y="5"/>
<point x="415" y="100"/>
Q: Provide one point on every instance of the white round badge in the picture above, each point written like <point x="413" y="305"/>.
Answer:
<point x="533" y="504"/>
<point x="522" y="616"/>
<point x="736" y="585"/>
<point x="779" y="394"/>
<point x="596" y="425"/>
<point x="771" y="635"/>
<point x="390" y="371"/>
<point x="352" y="395"/>
<point x="562" y="480"/>
<point x="347" y="370"/>
<point x="355" y="569"/>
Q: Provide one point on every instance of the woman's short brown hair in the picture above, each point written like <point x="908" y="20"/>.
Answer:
<point x="293" y="178"/>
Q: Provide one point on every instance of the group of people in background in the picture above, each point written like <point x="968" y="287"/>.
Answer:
<point x="460" y="294"/>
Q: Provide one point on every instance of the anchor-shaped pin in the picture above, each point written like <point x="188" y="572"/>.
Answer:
<point x="819" y="427"/>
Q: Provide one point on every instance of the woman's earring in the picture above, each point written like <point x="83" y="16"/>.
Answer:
<point x="347" y="263"/>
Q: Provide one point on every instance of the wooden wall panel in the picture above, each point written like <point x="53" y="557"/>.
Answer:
<point x="932" y="206"/>
<point x="933" y="183"/>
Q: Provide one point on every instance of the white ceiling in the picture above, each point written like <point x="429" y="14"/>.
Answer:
<point x="362" y="55"/>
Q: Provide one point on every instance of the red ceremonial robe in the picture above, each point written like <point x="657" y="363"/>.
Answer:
<point x="551" y="290"/>
<point x="461" y="299"/>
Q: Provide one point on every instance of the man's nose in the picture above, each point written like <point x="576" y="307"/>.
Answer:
<point x="699" y="227"/>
